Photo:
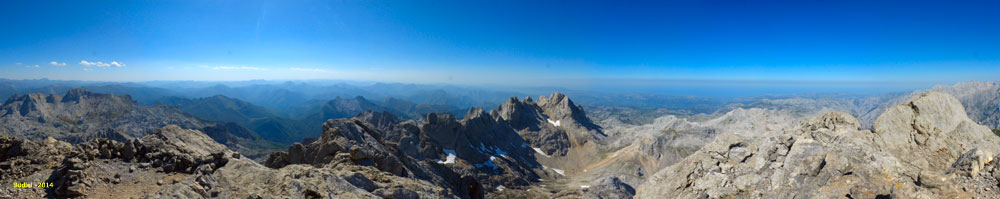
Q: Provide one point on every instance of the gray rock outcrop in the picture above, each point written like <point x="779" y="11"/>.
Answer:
<point x="916" y="151"/>
<point x="180" y="163"/>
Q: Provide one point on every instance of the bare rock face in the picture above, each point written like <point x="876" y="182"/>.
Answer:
<point x="607" y="188"/>
<point x="924" y="148"/>
<point x="933" y="129"/>
<point x="80" y="170"/>
<point x="648" y="148"/>
<point x="554" y="124"/>
<point x="181" y="163"/>
<point x="981" y="100"/>
<point x="20" y="158"/>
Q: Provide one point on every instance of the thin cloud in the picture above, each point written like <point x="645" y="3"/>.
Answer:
<point x="88" y="69"/>
<point x="102" y="64"/>
<point x="32" y="66"/>
<point x="57" y="63"/>
<point x="315" y="70"/>
<point x="236" y="68"/>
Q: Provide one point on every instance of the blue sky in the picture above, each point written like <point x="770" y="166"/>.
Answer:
<point x="504" y="42"/>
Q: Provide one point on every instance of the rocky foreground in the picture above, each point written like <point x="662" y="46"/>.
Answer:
<point x="926" y="147"/>
<point x="372" y="155"/>
<point x="179" y="163"/>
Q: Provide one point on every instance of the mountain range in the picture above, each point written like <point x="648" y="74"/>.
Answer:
<point x="81" y="115"/>
<point x="924" y="144"/>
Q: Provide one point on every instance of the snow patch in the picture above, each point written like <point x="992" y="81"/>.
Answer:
<point x="554" y="123"/>
<point x="539" y="150"/>
<point x="497" y="151"/>
<point x="448" y="160"/>
<point x="500" y="188"/>
<point x="488" y="163"/>
<point x="559" y="171"/>
<point x="584" y="186"/>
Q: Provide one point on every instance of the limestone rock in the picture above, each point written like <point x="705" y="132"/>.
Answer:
<point x="932" y="127"/>
<point x="915" y="149"/>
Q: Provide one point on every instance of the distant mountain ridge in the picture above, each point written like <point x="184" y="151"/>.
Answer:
<point x="219" y="107"/>
<point x="81" y="115"/>
<point x="272" y="126"/>
<point x="266" y="123"/>
<point x="297" y="98"/>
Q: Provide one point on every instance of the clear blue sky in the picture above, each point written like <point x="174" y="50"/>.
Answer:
<point x="502" y="41"/>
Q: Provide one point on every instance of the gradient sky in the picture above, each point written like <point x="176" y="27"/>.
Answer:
<point x="498" y="42"/>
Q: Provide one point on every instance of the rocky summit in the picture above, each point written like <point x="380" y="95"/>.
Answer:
<point x="923" y="147"/>
<point x="554" y="123"/>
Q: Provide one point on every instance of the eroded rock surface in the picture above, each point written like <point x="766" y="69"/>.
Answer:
<point x="179" y="163"/>
<point x="916" y="151"/>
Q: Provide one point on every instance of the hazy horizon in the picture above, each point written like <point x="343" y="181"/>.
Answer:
<point x="699" y="88"/>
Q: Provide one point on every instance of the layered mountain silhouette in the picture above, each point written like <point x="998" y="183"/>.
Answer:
<point x="266" y="123"/>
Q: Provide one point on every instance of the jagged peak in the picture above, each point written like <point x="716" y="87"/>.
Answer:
<point x="558" y="106"/>
<point x="476" y="113"/>
<point x="512" y="100"/>
<point x="557" y="96"/>
<point x="557" y="99"/>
